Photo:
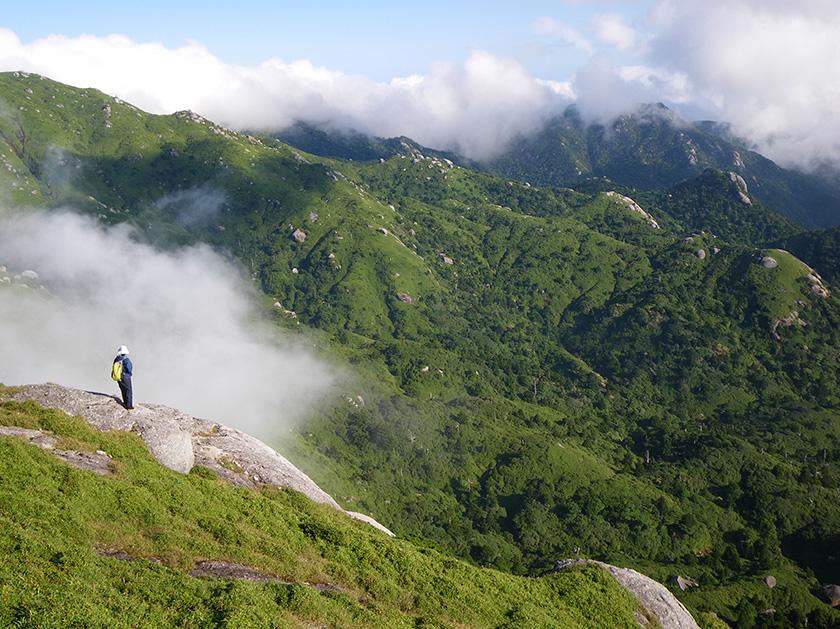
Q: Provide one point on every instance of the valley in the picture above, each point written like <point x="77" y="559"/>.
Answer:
<point x="534" y="369"/>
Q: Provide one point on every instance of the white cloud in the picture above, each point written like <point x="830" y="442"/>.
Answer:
<point x="475" y="106"/>
<point x="550" y="26"/>
<point x="188" y="318"/>
<point x="611" y="30"/>
<point x="771" y="68"/>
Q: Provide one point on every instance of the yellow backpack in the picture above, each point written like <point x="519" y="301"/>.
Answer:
<point x="116" y="370"/>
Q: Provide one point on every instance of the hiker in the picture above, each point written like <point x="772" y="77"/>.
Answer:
<point x="121" y="372"/>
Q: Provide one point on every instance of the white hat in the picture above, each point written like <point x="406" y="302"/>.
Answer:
<point x="123" y="350"/>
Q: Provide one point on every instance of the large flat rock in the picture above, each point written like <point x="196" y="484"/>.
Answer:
<point x="180" y="441"/>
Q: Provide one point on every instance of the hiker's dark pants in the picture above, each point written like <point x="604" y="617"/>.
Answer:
<point x="125" y="389"/>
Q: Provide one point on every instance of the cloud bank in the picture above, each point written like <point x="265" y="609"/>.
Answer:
<point x="474" y="107"/>
<point x="188" y="318"/>
<point x="770" y="68"/>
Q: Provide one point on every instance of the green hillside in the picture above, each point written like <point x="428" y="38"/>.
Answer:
<point x="821" y="248"/>
<point x="84" y="550"/>
<point x="538" y="372"/>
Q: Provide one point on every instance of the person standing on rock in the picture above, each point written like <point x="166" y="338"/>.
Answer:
<point x="124" y="380"/>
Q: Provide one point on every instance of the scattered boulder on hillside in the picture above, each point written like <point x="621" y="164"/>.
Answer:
<point x="654" y="597"/>
<point x="819" y="290"/>
<point x="830" y="594"/>
<point x="179" y="441"/>
<point x="683" y="583"/>
<point x="23" y="279"/>
<point x="405" y="298"/>
<point x="816" y="285"/>
<point x="701" y="253"/>
<point x="357" y="401"/>
<point x="737" y="179"/>
<point x="791" y="319"/>
<point x="299" y="235"/>
<point x="742" y="187"/>
<point x="770" y="581"/>
<point x="633" y="207"/>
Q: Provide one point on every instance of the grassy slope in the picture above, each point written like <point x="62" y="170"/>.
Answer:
<point x="55" y="517"/>
<point x="570" y="357"/>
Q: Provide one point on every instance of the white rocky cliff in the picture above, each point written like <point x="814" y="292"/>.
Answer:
<point x="176" y="440"/>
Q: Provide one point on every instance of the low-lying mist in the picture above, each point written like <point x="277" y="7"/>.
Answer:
<point x="188" y="317"/>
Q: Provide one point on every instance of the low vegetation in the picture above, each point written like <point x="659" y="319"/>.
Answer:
<point x="540" y="372"/>
<point x="83" y="550"/>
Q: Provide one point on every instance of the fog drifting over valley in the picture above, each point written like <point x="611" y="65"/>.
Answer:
<point x="188" y="318"/>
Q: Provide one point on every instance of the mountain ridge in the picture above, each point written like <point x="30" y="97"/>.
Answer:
<point x="538" y="370"/>
<point x="649" y="148"/>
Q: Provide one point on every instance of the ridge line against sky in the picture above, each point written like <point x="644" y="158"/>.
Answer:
<point x="466" y="76"/>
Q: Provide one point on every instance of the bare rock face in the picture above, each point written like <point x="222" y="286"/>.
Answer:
<point x="162" y="430"/>
<point x="830" y="594"/>
<point x="683" y="583"/>
<point x="654" y="597"/>
<point x="168" y="442"/>
<point x="35" y="437"/>
<point x="742" y="187"/>
<point x="178" y="441"/>
<point x="634" y="207"/>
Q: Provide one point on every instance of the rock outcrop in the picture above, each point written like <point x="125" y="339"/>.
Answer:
<point x="830" y="594"/>
<point x="653" y="597"/>
<point x="634" y="207"/>
<point x="177" y="440"/>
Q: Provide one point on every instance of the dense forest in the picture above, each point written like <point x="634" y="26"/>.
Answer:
<point x="647" y="377"/>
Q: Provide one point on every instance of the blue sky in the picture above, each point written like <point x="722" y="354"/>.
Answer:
<point x="380" y="39"/>
<point x="460" y="75"/>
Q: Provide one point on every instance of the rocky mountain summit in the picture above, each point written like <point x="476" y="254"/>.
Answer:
<point x="176" y="440"/>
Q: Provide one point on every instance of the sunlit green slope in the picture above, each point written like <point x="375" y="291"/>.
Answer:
<point x="537" y="372"/>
